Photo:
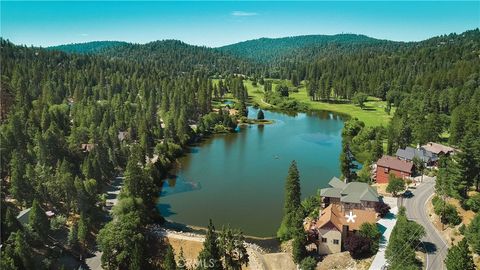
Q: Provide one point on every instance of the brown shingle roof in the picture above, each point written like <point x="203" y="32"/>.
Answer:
<point x="334" y="214"/>
<point x="395" y="163"/>
<point x="438" y="148"/>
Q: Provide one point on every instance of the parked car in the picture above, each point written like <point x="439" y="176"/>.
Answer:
<point x="407" y="194"/>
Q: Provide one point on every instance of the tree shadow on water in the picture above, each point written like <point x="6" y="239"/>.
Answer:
<point x="165" y="210"/>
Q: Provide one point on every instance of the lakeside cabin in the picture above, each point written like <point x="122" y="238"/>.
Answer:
<point x="340" y="201"/>
<point x="353" y="195"/>
<point x="388" y="164"/>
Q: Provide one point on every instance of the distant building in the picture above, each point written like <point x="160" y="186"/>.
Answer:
<point x="389" y="164"/>
<point x="87" y="147"/>
<point x="123" y="136"/>
<point x="438" y="149"/>
<point x="409" y="153"/>
<point x="353" y="195"/>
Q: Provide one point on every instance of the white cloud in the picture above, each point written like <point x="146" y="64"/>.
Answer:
<point x="243" y="14"/>
<point x="84" y="35"/>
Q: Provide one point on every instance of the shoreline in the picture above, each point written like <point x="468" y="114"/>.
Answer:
<point x="268" y="243"/>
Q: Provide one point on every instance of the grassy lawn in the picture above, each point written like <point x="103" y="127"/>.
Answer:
<point x="372" y="115"/>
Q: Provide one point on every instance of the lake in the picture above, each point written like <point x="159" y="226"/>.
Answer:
<point x="239" y="178"/>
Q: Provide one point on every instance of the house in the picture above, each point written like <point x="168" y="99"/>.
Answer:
<point x="353" y="195"/>
<point x="23" y="216"/>
<point x="123" y="136"/>
<point x="389" y="164"/>
<point x="409" y="153"/>
<point x="438" y="149"/>
<point x="334" y="226"/>
<point x="87" y="147"/>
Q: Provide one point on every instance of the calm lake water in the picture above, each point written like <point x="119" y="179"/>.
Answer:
<point x="239" y="178"/>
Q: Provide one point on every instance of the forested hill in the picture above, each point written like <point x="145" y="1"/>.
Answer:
<point x="87" y="47"/>
<point x="270" y="49"/>
<point x="170" y="55"/>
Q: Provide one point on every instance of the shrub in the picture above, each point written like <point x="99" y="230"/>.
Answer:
<point x="447" y="212"/>
<point x="309" y="263"/>
<point x="473" y="203"/>
<point x="382" y="208"/>
<point x="58" y="222"/>
<point x="358" y="246"/>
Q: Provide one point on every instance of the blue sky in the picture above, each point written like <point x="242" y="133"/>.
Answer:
<point x="220" y="23"/>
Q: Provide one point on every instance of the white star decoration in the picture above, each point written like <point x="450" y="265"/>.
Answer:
<point x="351" y="217"/>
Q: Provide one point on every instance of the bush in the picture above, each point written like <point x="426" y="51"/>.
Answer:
<point x="358" y="246"/>
<point x="371" y="232"/>
<point x="382" y="208"/>
<point x="473" y="203"/>
<point x="220" y="129"/>
<point x="309" y="263"/>
<point x="447" y="212"/>
<point x="58" y="222"/>
<point x="450" y="215"/>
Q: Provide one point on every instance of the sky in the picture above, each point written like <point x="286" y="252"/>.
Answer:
<point x="217" y="23"/>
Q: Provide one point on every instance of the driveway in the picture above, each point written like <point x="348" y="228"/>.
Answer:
<point x="434" y="244"/>
<point x="385" y="225"/>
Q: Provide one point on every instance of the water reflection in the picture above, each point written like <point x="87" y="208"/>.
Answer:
<point x="176" y="184"/>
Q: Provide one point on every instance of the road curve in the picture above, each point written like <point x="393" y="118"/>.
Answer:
<point x="434" y="244"/>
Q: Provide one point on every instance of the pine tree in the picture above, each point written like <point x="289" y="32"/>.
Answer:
<point x="19" y="186"/>
<point x="182" y="262"/>
<point x="260" y="115"/>
<point x="234" y="252"/>
<point x="137" y="258"/>
<point x="291" y="203"/>
<point x="346" y="162"/>
<point x="38" y="221"/>
<point x="210" y="257"/>
<point x="82" y="229"/>
<point x="299" y="239"/>
<point x="169" y="259"/>
<point x="73" y="235"/>
<point x="459" y="257"/>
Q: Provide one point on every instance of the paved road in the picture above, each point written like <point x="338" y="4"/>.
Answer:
<point x="95" y="262"/>
<point x="416" y="210"/>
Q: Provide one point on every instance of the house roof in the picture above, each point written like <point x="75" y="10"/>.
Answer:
<point x="409" y="153"/>
<point x="122" y="135"/>
<point x="438" y="148"/>
<point x="336" y="183"/>
<point x="333" y="214"/>
<point x="353" y="192"/>
<point x="395" y="163"/>
<point x="23" y="216"/>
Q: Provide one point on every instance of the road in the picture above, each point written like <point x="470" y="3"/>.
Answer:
<point x="94" y="262"/>
<point x="434" y="244"/>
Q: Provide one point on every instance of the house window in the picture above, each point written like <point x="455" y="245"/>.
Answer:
<point x="385" y="170"/>
<point x="335" y="241"/>
<point x="324" y="240"/>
